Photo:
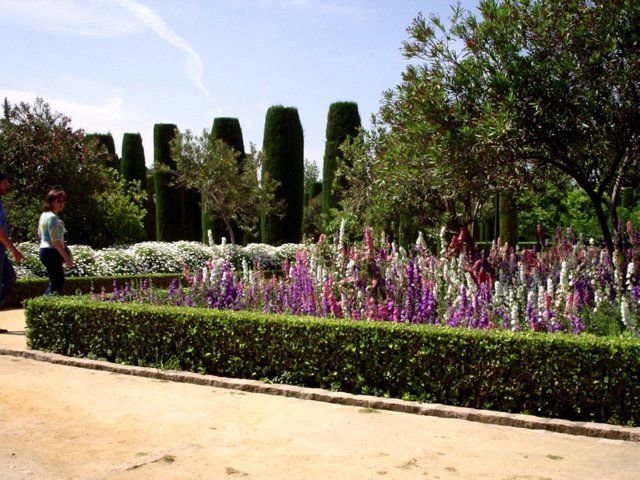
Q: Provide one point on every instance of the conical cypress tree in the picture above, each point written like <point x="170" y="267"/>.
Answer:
<point x="106" y="140"/>
<point x="132" y="162"/>
<point x="228" y="130"/>
<point x="343" y="121"/>
<point x="169" y="220"/>
<point x="283" y="146"/>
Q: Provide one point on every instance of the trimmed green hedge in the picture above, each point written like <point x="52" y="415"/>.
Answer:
<point x="283" y="146"/>
<point x="34" y="287"/>
<point x="559" y="376"/>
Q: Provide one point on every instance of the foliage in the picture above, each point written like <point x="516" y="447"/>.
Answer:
<point x="32" y="287"/>
<point x="132" y="163"/>
<point x="283" y="146"/>
<point x="228" y="130"/>
<point x="490" y="104"/>
<point x="557" y="79"/>
<point x="311" y="173"/>
<point x="343" y="124"/>
<point x="158" y="257"/>
<point x="571" y="377"/>
<point x="122" y="216"/>
<point x="40" y="150"/>
<point x="544" y="205"/>
<point x="169" y="220"/>
<point x="103" y="142"/>
<point x="227" y="185"/>
<point x="462" y="287"/>
<point x="312" y="220"/>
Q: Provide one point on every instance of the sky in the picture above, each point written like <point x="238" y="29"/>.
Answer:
<point x="121" y="66"/>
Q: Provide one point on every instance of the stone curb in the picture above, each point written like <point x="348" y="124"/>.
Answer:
<point x="598" y="430"/>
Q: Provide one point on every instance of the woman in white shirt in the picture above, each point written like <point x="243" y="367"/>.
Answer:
<point x="51" y="230"/>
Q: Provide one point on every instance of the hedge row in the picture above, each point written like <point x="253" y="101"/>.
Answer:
<point x="31" y="287"/>
<point x="581" y="378"/>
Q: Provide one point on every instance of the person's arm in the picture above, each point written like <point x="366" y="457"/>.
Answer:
<point x="59" y="244"/>
<point x="4" y="239"/>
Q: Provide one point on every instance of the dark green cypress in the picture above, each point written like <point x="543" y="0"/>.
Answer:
<point x="343" y="121"/>
<point x="283" y="146"/>
<point x="150" y="206"/>
<point x="132" y="162"/>
<point x="169" y="219"/>
<point x="315" y="189"/>
<point x="191" y="215"/>
<point x="106" y="140"/>
<point x="228" y="130"/>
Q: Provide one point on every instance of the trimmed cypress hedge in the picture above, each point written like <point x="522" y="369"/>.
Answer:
<point x="229" y="131"/>
<point x="106" y="140"/>
<point x="315" y="189"/>
<point x="178" y="214"/>
<point x="283" y="146"/>
<point x="132" y="162"/>
<point x="169" y="220"/>
<point x="191" y="215"/>
<point x="150" y="206"/>
<point x="343" y="121"/>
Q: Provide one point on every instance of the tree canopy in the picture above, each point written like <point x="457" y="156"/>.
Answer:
<point x="40" y="151"/>
<point x="210" y="166"/>
<point x="498" y="101"/>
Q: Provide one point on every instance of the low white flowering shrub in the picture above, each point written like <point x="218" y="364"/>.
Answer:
<point x="156" y="257"/>
<point x="85" y="263"/>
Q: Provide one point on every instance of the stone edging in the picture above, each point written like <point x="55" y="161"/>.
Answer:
<point x="588" y="429"/>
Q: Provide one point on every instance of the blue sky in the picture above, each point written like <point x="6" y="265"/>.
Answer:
<point x="124" y="65"/>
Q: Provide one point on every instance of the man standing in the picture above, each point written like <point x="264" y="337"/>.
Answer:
<point x="7" y="273"/>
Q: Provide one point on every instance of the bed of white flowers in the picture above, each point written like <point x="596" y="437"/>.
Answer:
<point x="156" y="257"/>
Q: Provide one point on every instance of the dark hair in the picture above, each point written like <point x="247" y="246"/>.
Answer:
<point x="3" y="176"/>
<point x="51" y="197"/>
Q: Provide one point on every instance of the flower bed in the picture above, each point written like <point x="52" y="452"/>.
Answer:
<point x="570" y="287"/>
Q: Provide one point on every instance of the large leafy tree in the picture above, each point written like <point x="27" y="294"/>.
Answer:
<point x="528" y="84"/>
<point x="437" y="152"/>
<point x="40" y="150"/>
<point x="226" y="179"/>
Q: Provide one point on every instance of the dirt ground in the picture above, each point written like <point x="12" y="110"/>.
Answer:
<point x="65" y="422"/>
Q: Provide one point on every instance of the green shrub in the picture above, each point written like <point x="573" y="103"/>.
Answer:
<point x="582" y="378"/>
<point x="34" y="287"/>
<point x="343" y="121"/>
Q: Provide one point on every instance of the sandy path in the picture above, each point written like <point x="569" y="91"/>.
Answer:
<point x="62" y="422"/>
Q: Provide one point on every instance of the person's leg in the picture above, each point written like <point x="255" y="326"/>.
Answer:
<point x="52" y="262"/>
<point x="7" y="277"/>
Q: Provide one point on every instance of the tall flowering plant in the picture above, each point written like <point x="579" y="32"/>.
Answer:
<point x="547" y="291"/>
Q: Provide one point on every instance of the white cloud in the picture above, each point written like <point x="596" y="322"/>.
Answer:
<point x="92" y="18"/>
<point x="193" y="64"/>
<point x="100" y="18"/>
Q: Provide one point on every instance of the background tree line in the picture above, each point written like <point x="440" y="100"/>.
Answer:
<point x="530" y="101"/>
